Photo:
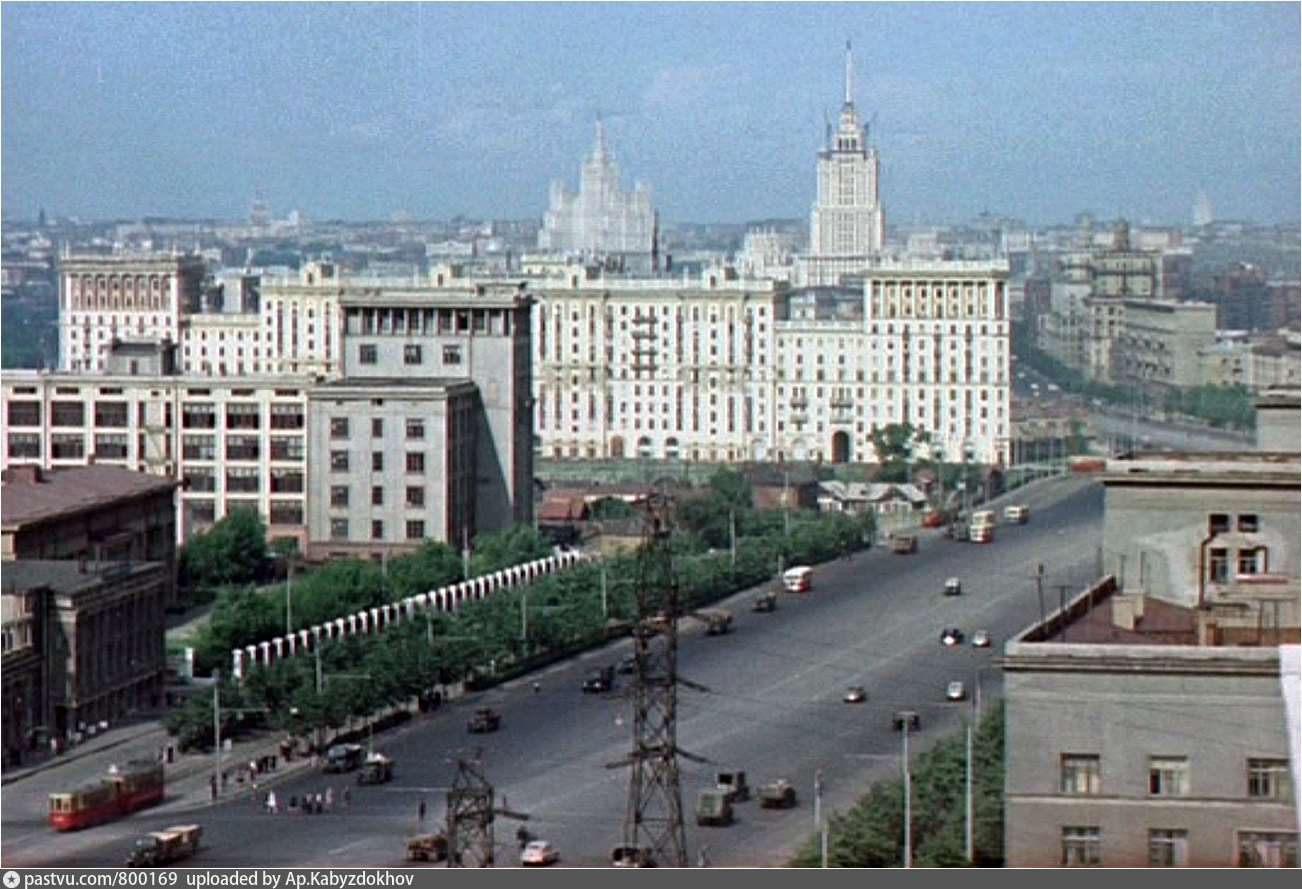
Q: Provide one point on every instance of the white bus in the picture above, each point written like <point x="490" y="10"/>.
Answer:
<point x="798" y="579"/>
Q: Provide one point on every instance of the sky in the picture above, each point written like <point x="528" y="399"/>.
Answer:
<point x="362" y="111"/>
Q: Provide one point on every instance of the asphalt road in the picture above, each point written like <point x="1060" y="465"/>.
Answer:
<point x="772" y="706"/>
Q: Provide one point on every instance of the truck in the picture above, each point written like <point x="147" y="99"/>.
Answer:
<point x="904" y="543"/>
<point x="1017" y="514"/>
<point x="486" y="719"/>
<point x="765" y="601"/>
<point x="427" y="847"/>
<point x="777" y="794"/>
<point x="167" y="846"/>
<point x="713" y="808"/>
<point x="599" y="679"/>
<point x="733" y="784"/>
<point x="717" y="621"/>
<point x="376" y="769"/>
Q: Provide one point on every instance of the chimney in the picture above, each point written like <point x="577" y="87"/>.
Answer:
<point x="24" y="474"/>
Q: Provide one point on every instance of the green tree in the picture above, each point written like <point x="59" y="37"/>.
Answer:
<point x="232" y="551"/>
<point x="514" y="546"/>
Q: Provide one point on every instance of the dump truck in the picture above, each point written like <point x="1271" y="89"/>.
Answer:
<point x="777" y="794"/>
<point x="376" y="769"/>
<point x="713" y="808"/>
<point x="167" y="846"/>
<point x="427" y="847"/>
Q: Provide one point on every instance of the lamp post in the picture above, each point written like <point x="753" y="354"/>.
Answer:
<point x="908" y="799"/>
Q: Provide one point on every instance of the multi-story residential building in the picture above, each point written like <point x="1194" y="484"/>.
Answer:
<point x="1161" y="342"/>
<point x="601" y="221"/>
<point x="1151" y="721"/>
<point x="847" y="226"/>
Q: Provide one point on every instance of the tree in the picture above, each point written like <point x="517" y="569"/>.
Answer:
<point x="232" y="551"/>
<point x="896" y="445"/>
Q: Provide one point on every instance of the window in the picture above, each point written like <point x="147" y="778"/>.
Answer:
<point x="411" y="354"/>
<point x="111" y="446"/>
<point x="286" y="416"/>
<point x="1218" y="523"/>
<point x="286" y="481"/>
<point x="286" y="512"/>
<point x="1252" y="561"/>
<point x="109" y="414"/>
<point x="377" y="530"/>
<point x="339" y="461"/>
<point x="198" y="416"/>
<point x="415" y="496"/>
<point x="198" y="447"/>
<point x="415" y="530"/>
<point x="200" y="480"/>
<point x="415" y="462"/>
<point x="377" y="495"/>
<point x="1218" y="565"/>
<point x="242" y="479"/>
<point x="25" y="444"/>
<point x="67" y="413"/>
<point x="366" y="353"/>
<point x="1168" y="848"/>
<point x="338" y="427"/>
<point x="1269" y="779"/>
<point x="1248" y="523"/>
<point x="339" y="529"/>
<point x="1168" y="775"/>
<point x="243" y="447"/>
<point x="1080" y="773"/>
<point x="242" y="416"/>
<point x="377" y="427"/>
<point x="338" y="496"/>
<point x="451" y="354"/>
<point x="24" y="413"/>
<point x="1261" y="849"/>
<point x="286" y="447"/>
<point x="416" y="430"/>
<point x="67" y="446"/>
<point x="377" y="461"/>
<point x="1081" y="847"/>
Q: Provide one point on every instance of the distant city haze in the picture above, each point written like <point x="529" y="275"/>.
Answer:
<point x="354" y="111"/>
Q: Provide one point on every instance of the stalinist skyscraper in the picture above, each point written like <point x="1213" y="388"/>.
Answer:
<point x="601" y="221"/>
<point x="847" y="227"/>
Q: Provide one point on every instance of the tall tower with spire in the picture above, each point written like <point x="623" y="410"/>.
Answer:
<point x="601" y="221"/>
<point x="847" y="226"/>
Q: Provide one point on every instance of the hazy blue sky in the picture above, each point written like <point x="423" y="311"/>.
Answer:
<point x="359" y="111"/>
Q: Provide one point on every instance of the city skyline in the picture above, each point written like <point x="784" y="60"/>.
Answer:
<point x="436" y="110"/>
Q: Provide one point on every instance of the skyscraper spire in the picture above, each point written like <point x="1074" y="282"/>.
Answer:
<point x="849" y="75"/>
<point x="599" y="153"/>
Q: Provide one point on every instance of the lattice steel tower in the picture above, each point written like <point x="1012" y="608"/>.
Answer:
<point x="654" y="820"/>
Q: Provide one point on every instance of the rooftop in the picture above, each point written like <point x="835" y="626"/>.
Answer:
<point x="32" y="494"/>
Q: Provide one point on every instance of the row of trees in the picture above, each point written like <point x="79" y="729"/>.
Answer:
<point x="871" y="833"/>
<point x="721" y="544"/>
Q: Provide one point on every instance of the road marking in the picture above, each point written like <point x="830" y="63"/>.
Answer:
<point x="348" y="846"/>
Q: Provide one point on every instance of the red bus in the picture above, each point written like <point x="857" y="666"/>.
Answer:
<point x="125" y="789"/>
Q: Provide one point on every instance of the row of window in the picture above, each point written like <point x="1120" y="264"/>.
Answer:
<point x="414" y="428"/>
<point x="1081" y="773"/>
<point x="341" y="461"/>
<point x="1082" y="846"/>
<point x="412" y="354"/>
<point x="340" y="529"/>
<point x="341" y="496"/>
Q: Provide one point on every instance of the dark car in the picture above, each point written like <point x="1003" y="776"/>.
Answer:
<point x="952" y="636"/>
<point x="599" y="679"/>
<point x="906" y="718"/>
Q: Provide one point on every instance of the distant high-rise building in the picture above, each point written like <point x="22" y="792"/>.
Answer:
<point x="1203" y="210"/>
<point x="601" y="221"/>
<point x="847" y="227"/>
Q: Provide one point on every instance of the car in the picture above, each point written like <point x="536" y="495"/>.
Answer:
<point x="956" y="691"/>
<point x="953" y="587"/>
<point x="855" y="694"/>
<point x="599" y="679"/>
<point x="952" y="636"/>
<point x="980" y="639"/>
<point x="539" y="853"/>
<point x="486" y="719"/>
<point x="628" y="664"/>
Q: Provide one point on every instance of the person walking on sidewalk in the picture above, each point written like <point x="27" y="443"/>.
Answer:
<point x="421" y="810"/>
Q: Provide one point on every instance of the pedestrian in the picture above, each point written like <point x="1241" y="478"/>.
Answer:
<point x="272" y="805"/>
<point x="329" y="798"/>
<point x="348" y="799"/>
<point x="421" y="811"/>
<point x="537" y="687"/>
<point x="212" y="786"/>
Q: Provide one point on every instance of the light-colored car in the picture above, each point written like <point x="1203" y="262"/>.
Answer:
<point x="855" y="694"/>
<point x="539" y="853"/>
<point x="953" y="587"/>
<point x="956" y="691"/>
<point x="980" y="639"/>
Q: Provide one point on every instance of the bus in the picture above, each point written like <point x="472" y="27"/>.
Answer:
<point x="798" y="579"/>
<point x="983" y="526"/>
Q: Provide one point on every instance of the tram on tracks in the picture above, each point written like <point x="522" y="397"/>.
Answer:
<point x="126" y="788"/>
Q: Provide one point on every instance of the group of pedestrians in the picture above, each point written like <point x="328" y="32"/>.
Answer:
<point x="317" y="803"/>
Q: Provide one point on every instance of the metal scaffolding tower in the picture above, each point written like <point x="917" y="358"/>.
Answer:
<point x="654" y="819"/>
<point x="470" y="817"/>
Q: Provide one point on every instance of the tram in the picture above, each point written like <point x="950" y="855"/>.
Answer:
<point x="125" y="789"/>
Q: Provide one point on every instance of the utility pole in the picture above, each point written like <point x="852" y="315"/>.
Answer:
<point x="967" y="824"/>
<point x="819" y="824"/>
<point x="470" y="816"/>
<point x="289" y="613"/>
<point x="1039" y="588"/>
<point x="908" y="802"/>
<point x="217" y="731"/>
<point x="654" y="819"/>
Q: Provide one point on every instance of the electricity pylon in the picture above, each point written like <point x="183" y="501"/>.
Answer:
<point x="470" y="817"/>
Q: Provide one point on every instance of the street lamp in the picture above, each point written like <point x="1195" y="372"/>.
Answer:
<point x="908" y="798"/>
